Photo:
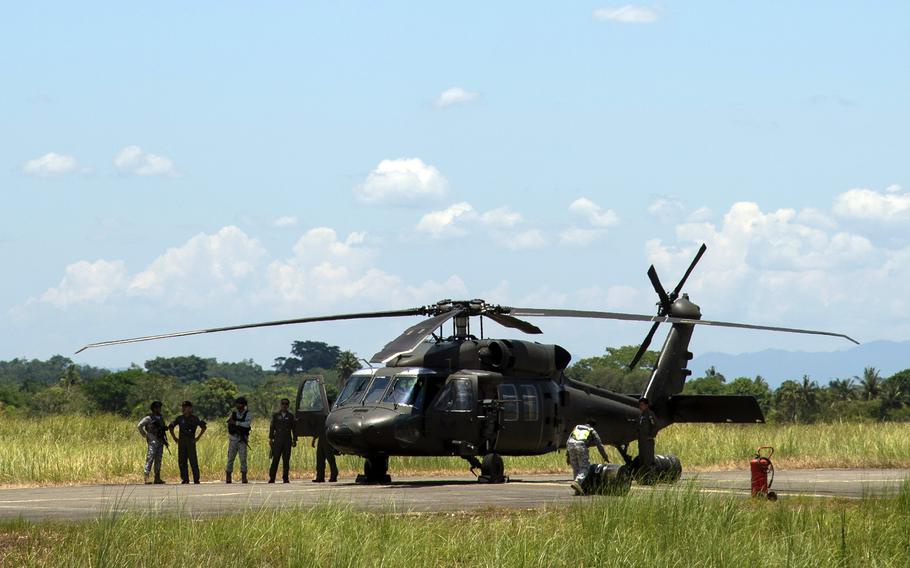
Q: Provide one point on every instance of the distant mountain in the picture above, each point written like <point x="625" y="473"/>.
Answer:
<point x="777" y="365"/>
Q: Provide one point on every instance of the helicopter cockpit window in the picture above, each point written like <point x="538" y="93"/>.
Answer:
<point x="457" y="395"/>
<point x="377" y="389"/>
<point x="529" y="402"/>
<point x="509" y="396"/>
<point x="353" y="390"/>
<point x="406" y="390"/>
<point x="310" y="397"/>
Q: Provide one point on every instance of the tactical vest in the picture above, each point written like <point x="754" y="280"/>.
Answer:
<point x="581" y="433"/>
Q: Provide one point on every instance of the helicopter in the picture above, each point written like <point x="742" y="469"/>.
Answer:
<point x="428" y="394"/>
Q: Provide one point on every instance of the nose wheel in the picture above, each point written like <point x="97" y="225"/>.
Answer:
<point x="375" y="471"/>
<point x="492" y="469"/>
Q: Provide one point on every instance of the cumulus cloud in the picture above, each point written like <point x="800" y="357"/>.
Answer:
<point x="85" y="281"/>
<point x="285" y="221"/>
<point x="627" y="14"/>
<point x="666" y="208"/>
<point x="500" y="224"/>
<point x="451" y="221"/>
<point x="402" y="181"/>
<point x="50" y="164"/>
<point x="891" y="205"/>
<point x="595" y="218"/>
<point x="455" y="96"/>
<point x="133" y="160"/>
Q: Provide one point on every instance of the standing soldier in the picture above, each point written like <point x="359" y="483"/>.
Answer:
<point x="582" y="437"/>
<point x="647" y="430"/>
<point x="151" y="427"/>
<point x="186" y="443"/>
<point x="324" y="452"/>
<point x="282" y="437"/>
<point x="239" y="426"/>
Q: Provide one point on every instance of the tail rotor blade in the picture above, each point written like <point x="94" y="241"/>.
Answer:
<point x="682" y="281"/>
<point x="644" y="346"/>
<point x="658" y="287"/>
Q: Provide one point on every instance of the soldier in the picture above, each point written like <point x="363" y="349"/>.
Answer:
<point x="186" y="443"/>
<point x="324" y="452"/>
<point x="647" y="430"/>
<point x="582" y="437"/>
<point x="151" y="427"/>
<point x="239" y="426"/>
<point x="282" y="437"/>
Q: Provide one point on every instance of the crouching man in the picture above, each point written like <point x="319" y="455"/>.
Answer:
<point x="582" y="437"/>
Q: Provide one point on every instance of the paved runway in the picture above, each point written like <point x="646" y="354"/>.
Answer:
<point x="405" y="495"/>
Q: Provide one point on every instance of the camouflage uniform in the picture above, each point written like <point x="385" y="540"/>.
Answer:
<point x="582" y="438"/>
<point x="152" y="429"/>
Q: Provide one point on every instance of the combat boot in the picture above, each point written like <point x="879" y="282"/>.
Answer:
<point x="243" y="477"/>
<point x="227" y="477"/>
<point x="145" y="478"/>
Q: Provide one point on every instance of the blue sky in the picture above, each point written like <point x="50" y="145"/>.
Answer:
<point x="169" y="166"/>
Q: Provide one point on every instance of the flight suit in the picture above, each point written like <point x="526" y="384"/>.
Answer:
<point x="582" y="438"/>
<point x="152" y="429"/>
<point x="647" y="430"/>
<point x="283" y="437"/>
<point x="324" y="453"/>
<point x="186" y="445"/>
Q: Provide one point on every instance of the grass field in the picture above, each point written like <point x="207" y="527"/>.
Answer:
<point x="62" y="450"/>
<point x="674" y="528"/>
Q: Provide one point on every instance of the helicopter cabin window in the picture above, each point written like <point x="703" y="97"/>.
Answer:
<point x="457" y="395"/>
<point x="377" y="389"/>
<point x="310" y="397"/>
<point x="353" y="390"/>
<point x="529" y="402"/>
<point x="407" y="390"/>
<point x="509" y="396"/>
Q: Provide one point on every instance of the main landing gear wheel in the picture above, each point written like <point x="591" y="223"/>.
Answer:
<point x="375" y="470"/>
<point x="492" y="470"/>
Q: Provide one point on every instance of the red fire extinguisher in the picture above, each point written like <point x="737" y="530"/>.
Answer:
<point x="762" y="473"/>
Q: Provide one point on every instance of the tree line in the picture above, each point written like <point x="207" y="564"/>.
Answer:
<point x="58" y="386"/>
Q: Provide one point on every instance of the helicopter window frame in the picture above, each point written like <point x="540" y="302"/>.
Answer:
<point x="530" y="403"/>
<point x="510" y="408"/>
<point x="414" y="393"/>
<point x="356" y="394"/>
<point x="456" y="396"/>
<point x="314" y="394"/>
<point x="372" y="389"/>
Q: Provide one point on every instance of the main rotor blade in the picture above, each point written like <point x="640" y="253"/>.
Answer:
<point x="644" y="346"/>
<point x="659" y="288"/>
<point x="533" y="312"/>
<point x="364" y="315"/>
<point x="515" y="323"/>
<point x="412" y="337"/>
<point x="675" y="293"/>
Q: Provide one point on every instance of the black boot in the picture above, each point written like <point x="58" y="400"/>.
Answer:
<point x="227" y="477"/>
<point x="243" y="477"/>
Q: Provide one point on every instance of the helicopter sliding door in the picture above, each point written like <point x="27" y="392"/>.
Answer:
<point x="452" y="416"/>
<point x="312" y="407"/>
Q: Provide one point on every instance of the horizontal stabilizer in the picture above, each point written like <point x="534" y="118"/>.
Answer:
<point x="736" y="409"/>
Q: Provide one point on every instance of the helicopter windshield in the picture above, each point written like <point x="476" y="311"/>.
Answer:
<point x="352" y="390"/>
<point x="377" y="389"/>
<point x="407" y="390"/>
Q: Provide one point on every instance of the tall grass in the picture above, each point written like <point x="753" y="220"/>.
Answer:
<point x="673" y="528"/>
<point x="64" y="449"/>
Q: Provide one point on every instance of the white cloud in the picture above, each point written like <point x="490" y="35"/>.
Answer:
<point x="530" y="239"/>
<point x="666" y="208"/>
<point x="450" y="221"/>
<point x="455" y="96"/>
<point x="627" y="14"/>
<point x="500" y="218"/>
<point x="501" y="224"/>
<point x="205" y="268"/>
<point x="85" y="281"/>
<point x="285" y="221"/>
<point x="402" y="181"/>
<point x="50" y="164"/>
<point x="133" y="160"/>
<point x="892" y="205"/>
<point x="594" y="216"/>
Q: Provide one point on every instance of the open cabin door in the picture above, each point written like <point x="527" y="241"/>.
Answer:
<point x="312" y="407"/>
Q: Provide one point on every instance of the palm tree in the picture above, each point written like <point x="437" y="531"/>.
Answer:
<point x="891" y="395"/>
<point x="807" y="395"/>
<point x="871" y="383"/>
<point x="346" y="365"/>
<point x="842" y="390"/>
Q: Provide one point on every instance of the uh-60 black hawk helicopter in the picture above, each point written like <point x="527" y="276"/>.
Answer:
<point x="481" y="399"/>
